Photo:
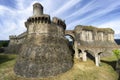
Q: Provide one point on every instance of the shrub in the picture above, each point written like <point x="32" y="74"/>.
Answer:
<point x="117" y="53"/>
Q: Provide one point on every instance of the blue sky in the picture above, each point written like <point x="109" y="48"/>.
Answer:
<point x="99" y="13"/>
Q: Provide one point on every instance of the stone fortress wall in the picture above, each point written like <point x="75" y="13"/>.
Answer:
<point x="91" y="42"/>
<point x="84" y="35"/>
<point x="44" y="46"/>
<point x="93" y="39"/>
<point x="44" y="51"/>
<point x="88" y="36"/>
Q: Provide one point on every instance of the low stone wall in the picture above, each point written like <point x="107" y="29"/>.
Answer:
<point x="13" y="49"/>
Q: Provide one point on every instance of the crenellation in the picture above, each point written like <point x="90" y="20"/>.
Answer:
<point x="13" y="37"/>
<point x="59" y="22"/>
<point x="41" y="19"/>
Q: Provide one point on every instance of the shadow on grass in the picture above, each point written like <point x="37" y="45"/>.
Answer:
<point x="111" y="63"/>
<point x="5" y="58"/>
<point x="90" y="56"/>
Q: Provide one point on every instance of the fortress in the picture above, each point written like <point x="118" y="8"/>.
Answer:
<point x="44" y="51"/>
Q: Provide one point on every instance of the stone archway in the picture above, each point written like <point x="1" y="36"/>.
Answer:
<point x="75" y="46"/>
<point x="70" y="41"/>
<point x="69" y="34"/>
<point x="70" y="38"/>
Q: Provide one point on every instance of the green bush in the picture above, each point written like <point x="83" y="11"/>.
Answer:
<point x="117" y="53"/>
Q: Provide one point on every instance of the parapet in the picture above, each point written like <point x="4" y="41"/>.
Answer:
<point x="59" y="22"/>
<point x="13" y="37"/>
<point x="105" y="30"/>
<point x="39" y="19"/>
<point x="91" y="28"/>
<point x="23" y="35"/>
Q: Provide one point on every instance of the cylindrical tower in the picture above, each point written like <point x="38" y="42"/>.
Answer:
<point x="37" y="9"/>
<point x="45" y="51"/>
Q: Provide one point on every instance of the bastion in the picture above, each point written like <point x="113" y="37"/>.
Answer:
<point x="45" y="51"/>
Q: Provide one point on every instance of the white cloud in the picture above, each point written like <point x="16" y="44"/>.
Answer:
<point x="117" y="36"/>
<point x="73" y="24"/>
<point x="83" y="10"/>
<point x="114" y="24"/>
<point x="102" y="9"/>
<point x="9" y="27"/>
<point x="4" y="9"/>
<point x="12" y="20"/>
<point x="66" y="6"/>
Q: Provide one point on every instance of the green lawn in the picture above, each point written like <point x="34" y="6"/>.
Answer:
<point x="80" y="71"/>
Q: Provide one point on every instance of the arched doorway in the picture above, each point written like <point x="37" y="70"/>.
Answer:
<point x="70" y="38"/>
<point x="70" y="43"/>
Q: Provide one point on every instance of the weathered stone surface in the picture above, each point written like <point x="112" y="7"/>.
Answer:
<point x="93" y="40"/>
<point x="45" y="51"/>
<point x="45" y="59"/>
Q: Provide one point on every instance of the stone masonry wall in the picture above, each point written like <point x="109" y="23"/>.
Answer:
<point x="45" y="51"/>
<point x="89" y="34"/>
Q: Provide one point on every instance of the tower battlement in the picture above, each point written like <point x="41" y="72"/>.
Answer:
<point x="40" y="19"/>
<point x="43" y="40"/>
<point x="59" y="22"/>
<point x="13" y="37"/>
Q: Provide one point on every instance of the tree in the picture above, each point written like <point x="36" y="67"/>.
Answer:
<point x="117" y="53"/>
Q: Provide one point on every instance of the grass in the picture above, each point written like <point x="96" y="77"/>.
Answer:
<point x="80" y="70"/>
<point x="6" y="65"/>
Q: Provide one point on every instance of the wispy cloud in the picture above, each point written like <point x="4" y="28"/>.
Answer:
<point x="112" y="24"/>
<point x="11" y="21"/>
<point x="98" y="13"/>
<point x="66" y="6"/>
<point x="98" y="17"/>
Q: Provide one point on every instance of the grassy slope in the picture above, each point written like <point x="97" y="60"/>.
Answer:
<point x="80" y="71"/>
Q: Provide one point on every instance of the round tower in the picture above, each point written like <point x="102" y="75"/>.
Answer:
<point x="37" y="9"/>
<point x="45" y="51"/>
